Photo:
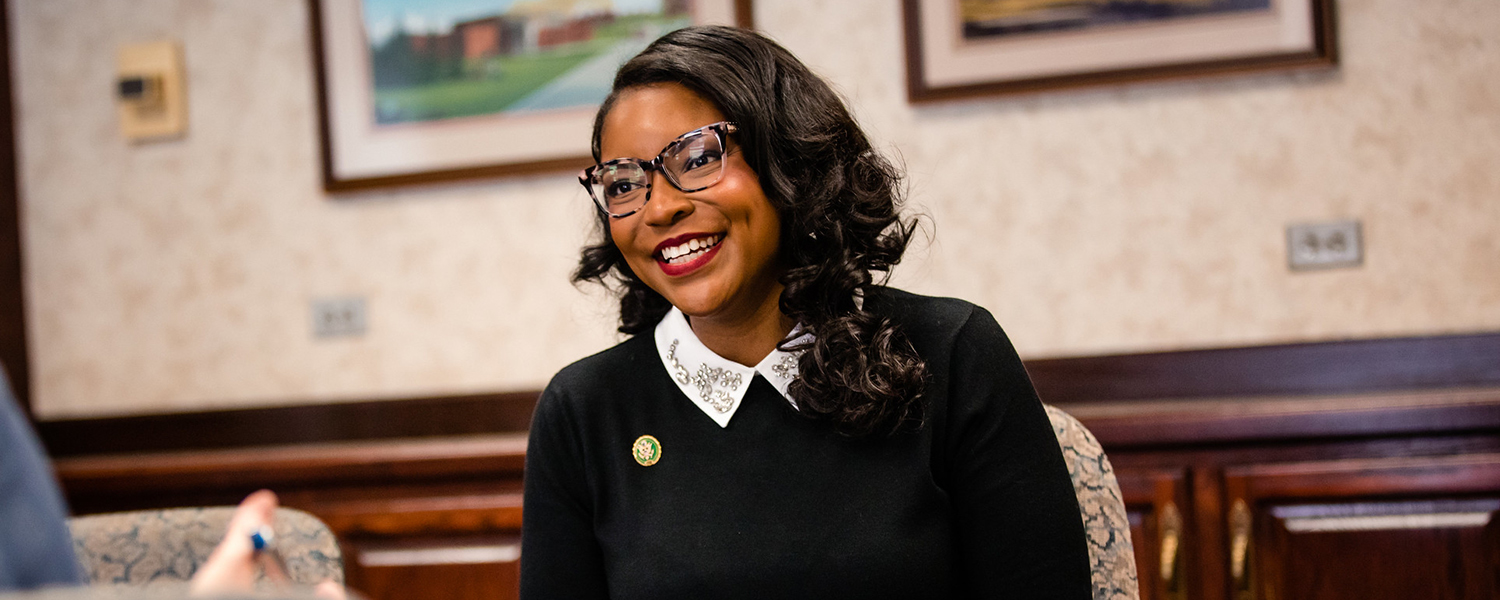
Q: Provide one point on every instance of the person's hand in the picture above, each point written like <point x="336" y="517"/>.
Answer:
<point x="230" y="569"/>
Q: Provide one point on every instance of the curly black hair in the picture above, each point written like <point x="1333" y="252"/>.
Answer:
<point x="839" y="204"/>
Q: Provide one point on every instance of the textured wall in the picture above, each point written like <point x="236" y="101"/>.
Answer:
<point x="176" y="276"/>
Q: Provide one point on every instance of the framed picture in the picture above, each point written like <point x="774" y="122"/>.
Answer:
<point x="415" y="91"/>
<point x="960" y="48"/>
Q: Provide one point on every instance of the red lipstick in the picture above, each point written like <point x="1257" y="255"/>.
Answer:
<point x="683" y="268"/>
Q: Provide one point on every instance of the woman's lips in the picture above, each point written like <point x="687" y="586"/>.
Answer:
<point x="700" y="258"/>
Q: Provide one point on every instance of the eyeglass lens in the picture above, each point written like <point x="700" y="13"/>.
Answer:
<point x="691" y="163"/>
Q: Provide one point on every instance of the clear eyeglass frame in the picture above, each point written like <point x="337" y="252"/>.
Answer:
<point x="669" y="162"/>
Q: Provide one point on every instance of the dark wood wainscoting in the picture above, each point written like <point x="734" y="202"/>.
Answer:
<point x="1194" y="376"/>
<point x="1270" y="472"/>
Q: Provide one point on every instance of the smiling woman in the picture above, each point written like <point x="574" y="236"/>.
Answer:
<point x="724" y="272"/>
<point x="781" y="424"/>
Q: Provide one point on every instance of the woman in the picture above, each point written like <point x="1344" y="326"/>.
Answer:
<point x="780" y="425"/>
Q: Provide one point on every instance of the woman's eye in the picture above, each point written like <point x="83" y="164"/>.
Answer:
<point x="701" y="160"/>
<point x="620" y="188"/>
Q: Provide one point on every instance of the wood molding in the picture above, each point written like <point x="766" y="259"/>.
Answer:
<point x="1322" y="389"/>
<point x="374" y="420"/>
<point x="12" y="300"/>
<point x="744" y="14"/>
<point x="1127" y="424"/>
<point x="1341" y="367"/>
<point x="454" y="515"/>
<point x="416" y="480"/>
<point x="487" y="456"/>
<point x="1363" y="477"/>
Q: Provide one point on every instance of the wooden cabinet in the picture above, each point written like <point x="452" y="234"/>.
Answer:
<point x="1155" y="500"/>
<point x="1358" y="470"/>
<point x="1358" y="528"/>
<point x="1373" y="529"/>
<point x="1243" y="513"/>
<point x="425" y="541"/>
<point x="422" y="518"/>
<point x="1233" y="512"/>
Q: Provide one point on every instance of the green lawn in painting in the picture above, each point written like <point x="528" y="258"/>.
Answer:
<point x="509" y="79"/>
<point x="519" y="76"/>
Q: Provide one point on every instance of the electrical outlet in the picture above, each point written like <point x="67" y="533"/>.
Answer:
<point x="338" y="317"/>
<point x="1324" y="245"/>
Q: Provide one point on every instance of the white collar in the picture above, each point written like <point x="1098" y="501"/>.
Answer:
<point x="715" y="384"/>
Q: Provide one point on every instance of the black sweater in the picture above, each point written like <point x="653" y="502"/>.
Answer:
<point x="976" y="504"/>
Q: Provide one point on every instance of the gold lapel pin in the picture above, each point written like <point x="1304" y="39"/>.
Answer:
<point x="646" y="450"/>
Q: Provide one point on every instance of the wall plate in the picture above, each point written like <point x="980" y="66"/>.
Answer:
<point x="338" y="317"/>
<point x="150" y="91"/>
<point x="1324" y="245"/>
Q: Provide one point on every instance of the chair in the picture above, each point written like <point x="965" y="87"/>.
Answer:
<point x="1104" y="519"/>
<point x="163" y="548"/>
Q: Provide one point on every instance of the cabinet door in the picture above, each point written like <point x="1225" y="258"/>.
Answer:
<point x="1367" y="529"/>
<point x="461" y="547"/>
<point x="1156" y="501"/>
<point x="458" y="568"/>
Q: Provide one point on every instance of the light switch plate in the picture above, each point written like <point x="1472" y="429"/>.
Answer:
<point x="338" y="317"/>
<point x="1324" y="245"/>
<point x="161" y="111"/>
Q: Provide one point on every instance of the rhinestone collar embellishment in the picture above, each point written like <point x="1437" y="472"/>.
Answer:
<point x="706" y="379"/>
<point x="787" y="368"/>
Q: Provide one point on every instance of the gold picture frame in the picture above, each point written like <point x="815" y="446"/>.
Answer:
<point x="967" y="48"/>
<point x="381" y="126"/>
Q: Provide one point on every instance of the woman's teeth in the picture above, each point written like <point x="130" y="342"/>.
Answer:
<point x="688" y="250"/>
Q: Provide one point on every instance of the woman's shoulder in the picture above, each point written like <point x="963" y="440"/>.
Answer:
<point x="607" y="369"/>
<point x="926" y="318"/>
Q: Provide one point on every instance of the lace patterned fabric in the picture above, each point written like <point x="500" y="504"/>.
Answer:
<point x="161" y="549"/>
<point x="1105" y="522"/>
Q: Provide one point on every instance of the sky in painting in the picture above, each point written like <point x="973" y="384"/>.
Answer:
<point x="382" y="17"/>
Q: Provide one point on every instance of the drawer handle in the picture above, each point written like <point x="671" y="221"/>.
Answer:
<point x="1171" y="541"/>
<point x="1239" y="544"/>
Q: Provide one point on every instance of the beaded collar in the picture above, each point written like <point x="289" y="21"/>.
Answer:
<point x="714" y="384"/>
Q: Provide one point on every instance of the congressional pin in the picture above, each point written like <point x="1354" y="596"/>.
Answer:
<point x="646" y="450"/>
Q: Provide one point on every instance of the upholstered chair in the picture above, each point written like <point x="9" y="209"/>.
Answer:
<point x="1104" y="520"/>
<point x="163" y="548"/>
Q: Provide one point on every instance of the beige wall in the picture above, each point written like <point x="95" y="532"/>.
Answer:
<point x="177" y="276"/>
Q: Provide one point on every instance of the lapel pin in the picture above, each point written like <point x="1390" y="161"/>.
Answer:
<point x="646" y="450"/>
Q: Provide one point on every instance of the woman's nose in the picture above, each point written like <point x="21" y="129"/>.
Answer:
<point x="667" y="205"/>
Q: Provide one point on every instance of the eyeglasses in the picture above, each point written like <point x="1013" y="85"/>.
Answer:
<point x="692" y="162"/>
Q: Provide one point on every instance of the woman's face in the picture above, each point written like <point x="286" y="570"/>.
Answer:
<point x="729" y="231"/>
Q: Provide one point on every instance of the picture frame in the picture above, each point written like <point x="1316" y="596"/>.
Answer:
<point x="410" y="97"/>
<point x="967" y="48"/>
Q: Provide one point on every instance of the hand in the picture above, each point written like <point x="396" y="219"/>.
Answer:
<point x="230" y="569"/>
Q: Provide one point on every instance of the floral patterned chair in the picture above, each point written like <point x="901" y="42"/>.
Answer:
<point x="161" y="549"/>
<point x="1104" y="519"/>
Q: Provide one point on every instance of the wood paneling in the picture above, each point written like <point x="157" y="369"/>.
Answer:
<point x="469" y="580"/>
<point x="417" y="518"/>
<point x="309" y="476"/>
<point x="1397" y="528"/>
<point x="1130" y="424"/>
<point x="391" y="484"/>
<point x="427" y="497"/>
<point x="1153" y="497"/>
<point x="1189" y="397"/>
<point x="1440" y="563"/>
<point x="385" y="419"/>
<point x="1346" y="367"/>
<point x="1446" y="475"/>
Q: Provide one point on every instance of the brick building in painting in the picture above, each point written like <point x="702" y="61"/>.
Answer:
<point x="489" y="37"/>
<point x="527" y="26"/>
